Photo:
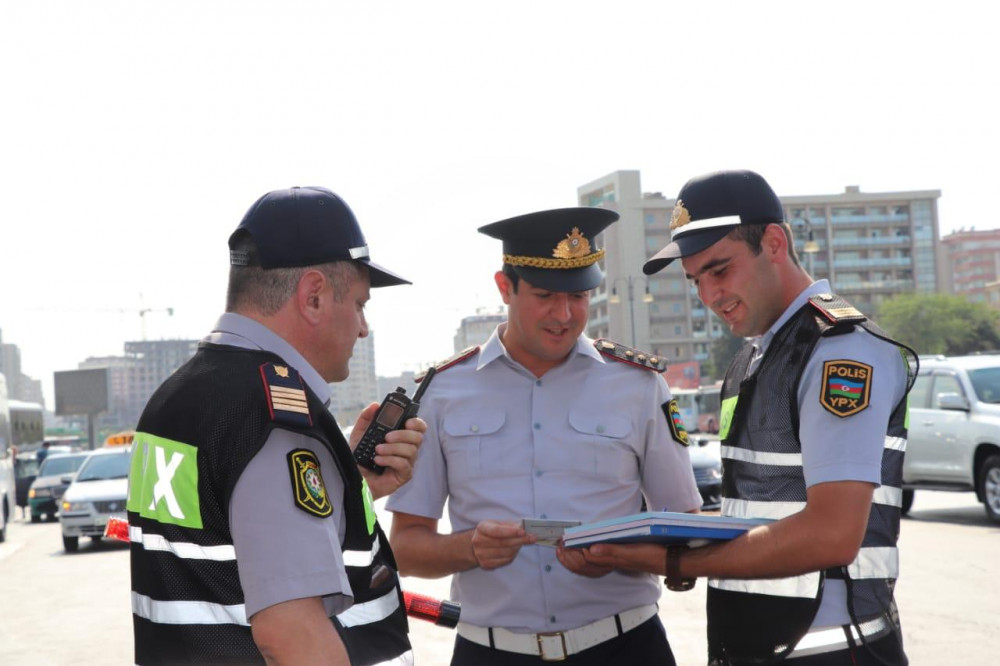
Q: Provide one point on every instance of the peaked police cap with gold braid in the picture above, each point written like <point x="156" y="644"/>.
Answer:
<point x="709" y="206"/>
<point x="554" y="249"/>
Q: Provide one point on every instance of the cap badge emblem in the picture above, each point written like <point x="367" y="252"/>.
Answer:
<point x="281" y="371"/>
<point x="574" y="245"/>
<point x="680" y="216"/>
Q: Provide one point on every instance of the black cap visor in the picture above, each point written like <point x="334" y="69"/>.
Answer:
<point x="562" y="279"/>
<point x="380" y="277"/>
<point x="685" y="246"/>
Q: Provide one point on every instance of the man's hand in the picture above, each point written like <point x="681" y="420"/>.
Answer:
<point x="574" y="559"/>
<point x="496" y="543"/>
<point x="650" y="558"/>
<point x="398" y="453"/>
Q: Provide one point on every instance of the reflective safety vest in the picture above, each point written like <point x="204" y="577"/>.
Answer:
<point x="760" y="621"/>
<point x="197" y="434"/>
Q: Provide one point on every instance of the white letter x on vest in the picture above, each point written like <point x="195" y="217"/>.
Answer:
<point x="164" y="475"/>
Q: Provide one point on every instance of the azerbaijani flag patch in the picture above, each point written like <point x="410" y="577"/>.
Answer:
<point x="846" y="387"/>
<point x="677" y="429"/>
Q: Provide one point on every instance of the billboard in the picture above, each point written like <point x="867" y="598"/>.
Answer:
<point x="81" y="391"/>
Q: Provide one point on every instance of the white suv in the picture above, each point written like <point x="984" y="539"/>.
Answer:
<point x="97" y="493"/>
<point x="954" y="435"/>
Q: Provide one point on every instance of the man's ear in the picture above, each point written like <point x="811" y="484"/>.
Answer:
<point x="309" y="295"/>
<point x="504" y="285"/>
<point x="775" y="243"/>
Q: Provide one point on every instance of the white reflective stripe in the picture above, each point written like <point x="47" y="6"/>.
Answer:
<point x="888" y="495"/>
<point x="800" y="587"/>
<point x="405" y="659"/>
<point x="701" y="225"/>
<point x="187" y="612"/>
<point x="828" y="640"/>
<point x="875" y="563"/>
<point x="739" y="508"/>
<point x="895" y="443"/>
<point x="361" y="558"/>
<point x="761" y="457"/>
<point x="182" y="549"/>
<point x="370" y="611"/>
<point x="359" y="252"/>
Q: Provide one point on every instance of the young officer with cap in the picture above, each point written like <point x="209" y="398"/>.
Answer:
<point x="253" y="537"/>
<point x="814" y="429"/>
<point x="543" y="423"/>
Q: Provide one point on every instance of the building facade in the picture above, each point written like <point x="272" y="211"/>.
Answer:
<point x="970" y="262"/>
<point x="477" y="329"/>
<point x="870" y="245"/>
<point x="360" y="388"/>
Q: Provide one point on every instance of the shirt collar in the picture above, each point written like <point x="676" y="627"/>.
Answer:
<point x="236" y="330"/>
<point x="493" y="348"/>
<point x="817" y="287"/>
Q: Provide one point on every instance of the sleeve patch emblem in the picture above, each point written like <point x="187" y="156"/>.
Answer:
<point x="308" y="490"/>
<point x="846" y="387"/>
<point x="677" y="429"/>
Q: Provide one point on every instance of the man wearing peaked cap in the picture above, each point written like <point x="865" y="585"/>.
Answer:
<point x="542" y="424"/>
<point x="814" y="429"/>
<point x="241" y="478"/>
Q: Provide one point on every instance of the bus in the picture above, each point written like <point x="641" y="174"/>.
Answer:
<point x="687" y="405"/>
<point x="27" y="424"/>
<point x="709" y="402"/>
<point x="8" y="496"/>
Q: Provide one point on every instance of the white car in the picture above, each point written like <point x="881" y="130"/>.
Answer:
<point x="97" y="493"/>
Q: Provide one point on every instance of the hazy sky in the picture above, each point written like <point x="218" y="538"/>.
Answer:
<point x="135" y="134"/>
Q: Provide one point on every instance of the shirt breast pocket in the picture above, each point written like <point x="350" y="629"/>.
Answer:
<point x="602" y="446"/>
<point x="463" y="441"/>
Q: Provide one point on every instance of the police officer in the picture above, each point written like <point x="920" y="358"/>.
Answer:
<point x="253" y="536"/>
<point x="543" y="423"/>
<point x="813" y="430"/>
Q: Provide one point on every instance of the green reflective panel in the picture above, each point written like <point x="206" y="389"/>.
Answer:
<point x="726" y="415"/>
<point x="163" y="482"/>
<point x="366" y="496"/>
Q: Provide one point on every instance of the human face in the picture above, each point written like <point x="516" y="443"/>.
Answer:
<point x="742" y="289"/>
<point x="342" y="323"/>
<point x="542" y="325"/>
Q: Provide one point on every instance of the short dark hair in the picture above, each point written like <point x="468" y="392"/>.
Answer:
<point x="753" y="236"/>
<point x="512" y="275"/>
<point x="267" y="290"/>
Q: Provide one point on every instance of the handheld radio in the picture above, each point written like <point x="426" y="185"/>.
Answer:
<point x="392" y="414"/>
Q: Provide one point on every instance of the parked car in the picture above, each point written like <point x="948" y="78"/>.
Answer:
<point x="706" y="461"/>
<point x="97" y="493"/>
<point x="54" y="476"/>
<point x="954" y="435"/>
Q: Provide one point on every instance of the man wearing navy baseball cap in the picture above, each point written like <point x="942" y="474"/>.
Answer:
<point x="253" y="537"/>
<point x="813" y="431"/>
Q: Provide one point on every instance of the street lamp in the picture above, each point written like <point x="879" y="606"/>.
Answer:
<point x="614" y="298"/>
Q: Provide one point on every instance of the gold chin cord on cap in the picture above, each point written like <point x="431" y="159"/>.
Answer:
<point x="544" y="262"/>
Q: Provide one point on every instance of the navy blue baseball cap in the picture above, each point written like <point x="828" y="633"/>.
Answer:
<point x="554" y="249"/>
<point x="305" y="226"/>
<point x="709" y="207"/>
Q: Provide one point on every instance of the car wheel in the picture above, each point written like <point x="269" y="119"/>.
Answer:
<point x="6" y="517"/>
<point x="989" y="487"/>
<point x="71" y="544"/>
<point x="36" y="519"/>
<point x="907" y="502"/>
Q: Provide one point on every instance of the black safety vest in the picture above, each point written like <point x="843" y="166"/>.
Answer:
<point x="760" y="621"/>
<point x="195" y="437"/>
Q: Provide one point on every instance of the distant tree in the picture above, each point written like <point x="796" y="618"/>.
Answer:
<point x="724" y="348"/>
<point x="940" y="323"/>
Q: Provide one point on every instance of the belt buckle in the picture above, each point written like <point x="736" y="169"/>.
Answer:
<point x="541" y="647"/>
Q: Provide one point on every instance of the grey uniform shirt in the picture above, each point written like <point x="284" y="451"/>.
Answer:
<point x="583" y="442"/>
<point x="843" y="448"/>
<point x="282" y="552"/>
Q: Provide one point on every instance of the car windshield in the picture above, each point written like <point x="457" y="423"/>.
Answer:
<point x="986" y="383"/>
<point x="59" y="465"/>
<point x="98" y="468"/>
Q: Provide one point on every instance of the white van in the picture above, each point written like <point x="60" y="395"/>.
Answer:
<point x="7" y="483"/>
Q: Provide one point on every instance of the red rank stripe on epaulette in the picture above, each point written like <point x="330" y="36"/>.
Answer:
<point x="454" y="360"/>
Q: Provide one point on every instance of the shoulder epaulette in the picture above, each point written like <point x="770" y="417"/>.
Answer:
<point x="447" y="363"/>
<point x="836" y="310"/>
<point x="631" y="356"/>
<point x="286" y="395"/>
